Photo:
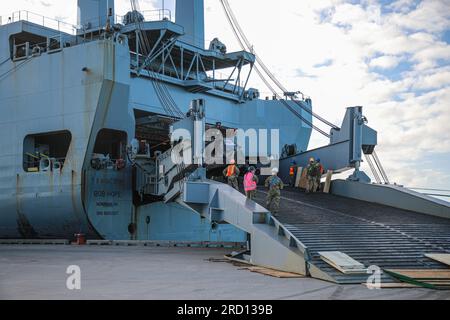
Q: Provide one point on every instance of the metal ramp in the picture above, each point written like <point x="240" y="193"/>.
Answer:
<point x="388" y="247"/>
<point x="375" y="235"/>
<point x="372" y="234"/>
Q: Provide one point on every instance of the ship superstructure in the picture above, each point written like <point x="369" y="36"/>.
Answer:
<point x="83" y="94"/>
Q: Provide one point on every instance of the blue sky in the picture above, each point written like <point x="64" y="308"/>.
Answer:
<point x="392" y="57"/>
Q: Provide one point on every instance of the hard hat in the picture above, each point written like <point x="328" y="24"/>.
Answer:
<point x="274" y="170"/>
<point x="312" y="159"/>
<point x="233" y="161"/>
<point x="318" y="159"/>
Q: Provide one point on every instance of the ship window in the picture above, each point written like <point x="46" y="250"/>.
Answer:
<point x="46" y="151"/>
<point x="110" y="143"/>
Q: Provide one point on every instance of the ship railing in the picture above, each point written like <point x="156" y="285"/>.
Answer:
<point x="25" y="15"/>
<point x="41" y="20"/>
<point x="158" y="14"/>
<point x="96" y="23"/>
<point x="27" y="50"/>
<point x="92" y="26"/>
<point x="150" y="15"/>
<point x="269" y="95"/>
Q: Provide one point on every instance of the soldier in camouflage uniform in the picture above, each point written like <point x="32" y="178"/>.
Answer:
<point x="312" y="173"/>
<point x="320" y="171"/>
<point x="274" y="184"/>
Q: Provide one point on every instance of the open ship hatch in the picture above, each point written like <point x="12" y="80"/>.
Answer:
<point x="153" y="129"/>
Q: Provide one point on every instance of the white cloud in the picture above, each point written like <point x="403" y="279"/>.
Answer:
<point x="385" y="62"/>
<point x="430" y="15"/>
<point x="403" y="6"/>
<point x="433" y="81"/>
<point x="428" y="57"/>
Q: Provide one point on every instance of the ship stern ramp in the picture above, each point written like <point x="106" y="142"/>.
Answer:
<point x="376" y="236"/>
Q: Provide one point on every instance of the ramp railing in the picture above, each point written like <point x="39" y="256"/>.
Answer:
<point x="41" y="20"/>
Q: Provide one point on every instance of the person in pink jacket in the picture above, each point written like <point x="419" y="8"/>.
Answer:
<point x="250" y="183"/>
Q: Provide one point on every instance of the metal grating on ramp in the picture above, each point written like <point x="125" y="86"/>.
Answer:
<point x="396" y="246"/>
<point x="372" y="234"/>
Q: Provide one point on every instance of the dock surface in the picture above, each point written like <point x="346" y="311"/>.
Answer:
<point x="110" y="272"/>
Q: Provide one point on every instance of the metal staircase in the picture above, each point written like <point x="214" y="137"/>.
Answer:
<point x="272" y="244"/>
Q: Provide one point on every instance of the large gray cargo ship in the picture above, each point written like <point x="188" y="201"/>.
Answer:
<point x="88" y="131"/>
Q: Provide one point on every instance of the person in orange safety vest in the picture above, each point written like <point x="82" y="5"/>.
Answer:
<point x="232" y="173"/>
<point x="292" y="173"/>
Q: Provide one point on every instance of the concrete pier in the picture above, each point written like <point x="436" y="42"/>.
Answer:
<point x="114" y="272"/>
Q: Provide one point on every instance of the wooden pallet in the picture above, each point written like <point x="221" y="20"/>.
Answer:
<point x="232" y="258"/>
<point x="426" y="278"/>
<point x="298" y="177"/>
<point x="342" y="262"/>
<point x="327" y="186"/>
<point x="273" y="273"/>
<point x="442" y="258"/>
<point x="303" y="183"/>
<point x="424" y="274"/>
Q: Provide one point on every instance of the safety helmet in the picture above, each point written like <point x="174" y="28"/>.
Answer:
<point x="233" y="161"/>
<point x="312" y="159"/>
<point x="274" y="170"/>
<point x="318" y="160"/>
